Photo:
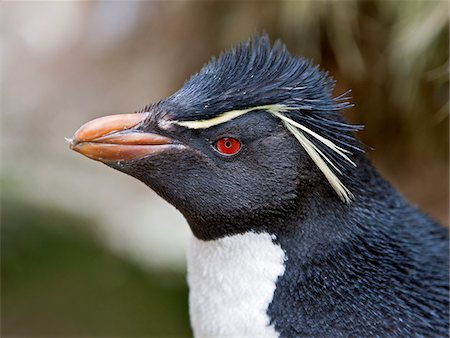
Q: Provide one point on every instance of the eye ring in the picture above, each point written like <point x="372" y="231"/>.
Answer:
<point x="228" y="146"/>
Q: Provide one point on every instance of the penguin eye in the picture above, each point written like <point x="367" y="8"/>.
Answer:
<point x="228" y="145"/>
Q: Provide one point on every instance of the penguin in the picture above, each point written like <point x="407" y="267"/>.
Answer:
<point x="294" y="233"/>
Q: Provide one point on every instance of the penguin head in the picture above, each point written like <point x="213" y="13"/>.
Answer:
<point x="252" y="137"/>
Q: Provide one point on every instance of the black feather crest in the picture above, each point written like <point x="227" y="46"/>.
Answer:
<point x="257" y="76"/>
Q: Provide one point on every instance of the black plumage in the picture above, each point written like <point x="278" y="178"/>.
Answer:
<point x="375" y="266"/>
<point x="257" y="74"/>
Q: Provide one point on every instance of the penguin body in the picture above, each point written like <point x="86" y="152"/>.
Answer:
<point x="382" y="273"/>
<point x="374" y="271"/>
<point x="295" y="234"/>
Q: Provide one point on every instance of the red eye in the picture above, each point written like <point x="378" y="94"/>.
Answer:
<point x="228" y="146"/>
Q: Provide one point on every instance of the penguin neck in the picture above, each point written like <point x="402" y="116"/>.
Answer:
<point x="318" y="202"/>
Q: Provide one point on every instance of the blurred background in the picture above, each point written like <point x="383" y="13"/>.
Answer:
<point x="87" y="251"/>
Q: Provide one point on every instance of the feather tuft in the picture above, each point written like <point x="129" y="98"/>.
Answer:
<point x="317" y="156"/>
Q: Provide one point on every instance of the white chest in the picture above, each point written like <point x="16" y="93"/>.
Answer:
<point x="231" y="284"/>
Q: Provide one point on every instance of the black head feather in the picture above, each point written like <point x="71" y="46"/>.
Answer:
<point x="257" y="74"/>
<point x="254" y="74"/>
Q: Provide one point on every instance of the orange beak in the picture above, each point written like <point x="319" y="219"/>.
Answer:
<point x="113" y="138"/>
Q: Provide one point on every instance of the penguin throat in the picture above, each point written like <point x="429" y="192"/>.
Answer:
<point x="231" y="284"/>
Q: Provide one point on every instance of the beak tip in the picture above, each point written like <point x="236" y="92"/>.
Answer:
<point x="70" y="142"/>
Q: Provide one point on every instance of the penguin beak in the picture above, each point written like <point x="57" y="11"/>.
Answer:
<point x="115" y="138"/>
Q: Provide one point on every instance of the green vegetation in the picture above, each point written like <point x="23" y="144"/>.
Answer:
<point x="56" y="281"/>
